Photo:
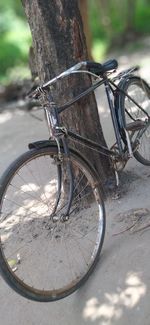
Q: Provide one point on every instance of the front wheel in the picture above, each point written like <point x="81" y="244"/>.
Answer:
<point x="139" y="91"/>
<point x="42" y="256"/>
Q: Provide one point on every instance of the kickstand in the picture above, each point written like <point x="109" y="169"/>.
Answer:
<point x="116" y="194"/>
<point x="117" y="178"/>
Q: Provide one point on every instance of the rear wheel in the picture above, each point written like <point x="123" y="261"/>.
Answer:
<point x="139" y="91"/>
<point x="43" y="257"/>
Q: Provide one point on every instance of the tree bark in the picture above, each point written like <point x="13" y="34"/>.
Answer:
<point x="59" y="43"/>
<point x="83" y="6"/>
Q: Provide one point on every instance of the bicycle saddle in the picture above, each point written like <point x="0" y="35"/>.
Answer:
<point x="99" y="68"/>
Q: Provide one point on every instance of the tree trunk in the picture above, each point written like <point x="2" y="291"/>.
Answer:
<point x="59" y="43"/>
<point x="83" y="6"/>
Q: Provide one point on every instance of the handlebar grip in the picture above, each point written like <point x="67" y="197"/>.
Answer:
<point x="93" y="66"/>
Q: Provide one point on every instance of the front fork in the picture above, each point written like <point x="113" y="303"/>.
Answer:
<point x="57" y="133"/>
<point x="71" y="178"/>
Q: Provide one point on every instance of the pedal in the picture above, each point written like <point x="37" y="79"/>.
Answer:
<point x="135" y="126"/>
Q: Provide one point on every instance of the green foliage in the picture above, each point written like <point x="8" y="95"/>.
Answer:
<point x="142" y="16"/>
<point x="99" y="49"/>
<point x="9" y="55"/>
<point x="116" y="22"/>
<point x="109" y="21"/>
<point x="98" y="32"/>
<point x="15" y="39"/>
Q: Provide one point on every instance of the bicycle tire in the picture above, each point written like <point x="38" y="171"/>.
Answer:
<point x="139" y="90"/>
<point x="56" y="258"/>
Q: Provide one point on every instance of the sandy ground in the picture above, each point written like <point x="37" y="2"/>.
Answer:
<point x="118" y="292"/>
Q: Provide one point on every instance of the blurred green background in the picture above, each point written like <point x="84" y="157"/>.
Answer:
<point x="15" y="40"/>
<point x="113" y="24"/>
<point x="117" y="23"/>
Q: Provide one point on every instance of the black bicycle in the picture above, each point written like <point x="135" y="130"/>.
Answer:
<point x="52" y="216"/>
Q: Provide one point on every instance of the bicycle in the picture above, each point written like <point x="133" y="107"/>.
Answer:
<point x="52" y="214"/>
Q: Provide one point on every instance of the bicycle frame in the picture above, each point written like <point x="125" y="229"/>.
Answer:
<point x="58" y="132"/>
<point x="110" y="93"/>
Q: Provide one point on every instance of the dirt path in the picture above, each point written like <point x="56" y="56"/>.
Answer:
<point x="118" y="292"/>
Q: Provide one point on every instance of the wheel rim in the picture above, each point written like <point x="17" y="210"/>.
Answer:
<point x="141" y="94"/>
<point x="49" y="256"/>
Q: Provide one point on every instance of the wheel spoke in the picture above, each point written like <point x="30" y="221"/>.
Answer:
<point x="55" y="255"/>
<point x="140" y="93"/>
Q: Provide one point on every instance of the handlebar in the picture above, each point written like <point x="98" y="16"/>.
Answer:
<point x="89" y="65"/>
<point x="66" y="73"/>
<point x="35" y="94"/>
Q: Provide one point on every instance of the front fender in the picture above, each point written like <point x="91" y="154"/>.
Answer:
<point x="41" y="144"/>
